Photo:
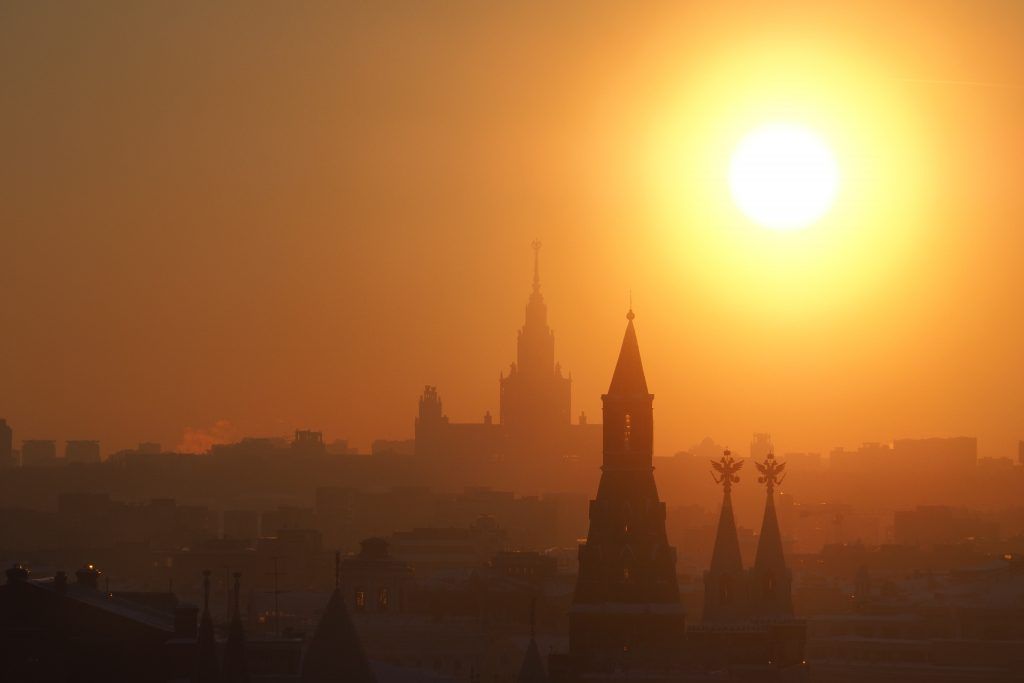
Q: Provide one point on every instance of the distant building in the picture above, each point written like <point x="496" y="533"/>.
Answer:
<point x="309" y="442"/>
<point x="82" y="452"/>
<point x="7" y="458"/>
<point x="38" y="453"/>
<point x="761" y="445"/>
<point x="148" y="448"/>
<point x="534" y="418"/>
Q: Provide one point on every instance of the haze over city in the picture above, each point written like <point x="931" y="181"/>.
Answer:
<point x="527" y="342"/>
<point x="296" y="217"/>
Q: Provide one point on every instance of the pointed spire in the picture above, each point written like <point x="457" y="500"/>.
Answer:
<point x="726" y="556"/>
<point x="334" y="652"/>
<point x="236" y="668"/>
<point x="207" y="668"/>
<point x="532" y="670"/>
<point x="628" y="377"/>
<point x="769" y="545"/>
<point x="536" y="265"/>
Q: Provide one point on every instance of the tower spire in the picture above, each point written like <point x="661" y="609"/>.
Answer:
<point x="536" y="264"/>
<point x="725" y="590"/>
<point x="772" y="581"/>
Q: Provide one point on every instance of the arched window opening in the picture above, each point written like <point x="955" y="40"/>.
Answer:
<point x="627" y="430"/>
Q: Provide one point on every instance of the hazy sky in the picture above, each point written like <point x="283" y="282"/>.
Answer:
<point x="279" y="215"/>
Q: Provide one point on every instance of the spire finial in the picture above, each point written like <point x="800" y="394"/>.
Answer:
<point x="770" y="470"/>
<point x="629" y="314"/>
<point x="337" y="568"/>
<point x="727" y="468"/>
<point x="536" y="264"/>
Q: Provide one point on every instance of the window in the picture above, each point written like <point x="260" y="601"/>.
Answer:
<point x="725" y="590"/>
<point x="360" y="600"/>
<point x="383" y="599"/>
<point x="625" y="574"/>
<point x="627" y="430"/>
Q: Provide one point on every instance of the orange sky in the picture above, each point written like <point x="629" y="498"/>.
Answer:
<point x="254" y="217"/>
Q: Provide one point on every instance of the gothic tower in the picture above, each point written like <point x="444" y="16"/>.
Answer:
<point x="725" y="585"/>
<point x="771" y="582"/>
<point x="626" y="611"/>
<point x="535" y="396"/>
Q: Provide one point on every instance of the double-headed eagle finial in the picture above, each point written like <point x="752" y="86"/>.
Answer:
<point x="771" y="470"/>
<point x="727" y="468"/>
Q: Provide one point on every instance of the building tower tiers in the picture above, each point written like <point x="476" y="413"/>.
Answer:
<point x="535" y="396"/>
<point x="626" y="606"/>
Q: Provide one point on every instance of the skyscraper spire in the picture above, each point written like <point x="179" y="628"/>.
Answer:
<point x="536" y="265"/>
<point x="724" y="583"/>
<point x="771" y="584"/>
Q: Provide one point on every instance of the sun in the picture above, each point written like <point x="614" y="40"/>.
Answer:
<point x="783" y="176"/>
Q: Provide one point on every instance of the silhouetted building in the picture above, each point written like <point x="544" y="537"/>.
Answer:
<point x="82" y="451"/>
<point x="626" y="610"/>
<point x="6" y="445"/>
<point x="38" y="453"/>
<point x="726" y="595"/>
<point x="374" y="580"/>
<point x="308" y="442"/>
<point x="761" y="445"/>
<point x="534" y="404"/>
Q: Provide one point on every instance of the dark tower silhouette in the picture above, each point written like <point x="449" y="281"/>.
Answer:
<point x="334" y="652"/>
<point x="725" y="589"/>
<point x="532" y="670"/>
<point x="207" y="669"/>
<point x="535" y="396"/>
<point x="6" y="445"/>
<point x="236" y="669"/>
<point x="771" y="582"/>
<point x="626" y="607"/>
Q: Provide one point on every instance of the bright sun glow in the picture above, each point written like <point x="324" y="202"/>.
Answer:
<point x="783" y="176"/>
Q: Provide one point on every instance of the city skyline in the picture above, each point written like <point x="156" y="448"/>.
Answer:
<point x="316" y="265"/>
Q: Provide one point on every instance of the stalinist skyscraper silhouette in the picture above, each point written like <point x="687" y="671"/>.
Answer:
<point x="626" y="607"/>
<point x="535" y="395"/>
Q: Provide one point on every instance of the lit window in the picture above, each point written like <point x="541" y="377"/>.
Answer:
<point x="360" y="600"/>
<point x="383" y="599"/>
<point x="627" y="430"/>
<point x="625" y="573"/>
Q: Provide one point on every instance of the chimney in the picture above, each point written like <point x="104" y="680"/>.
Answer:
<point x="185" y="617"/>
<point x="60" y="582"/>
<point x="89" y="576"/>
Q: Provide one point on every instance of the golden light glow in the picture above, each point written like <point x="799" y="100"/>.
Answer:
<point x="872" y="221"/>
<point x="783" y="176"/>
